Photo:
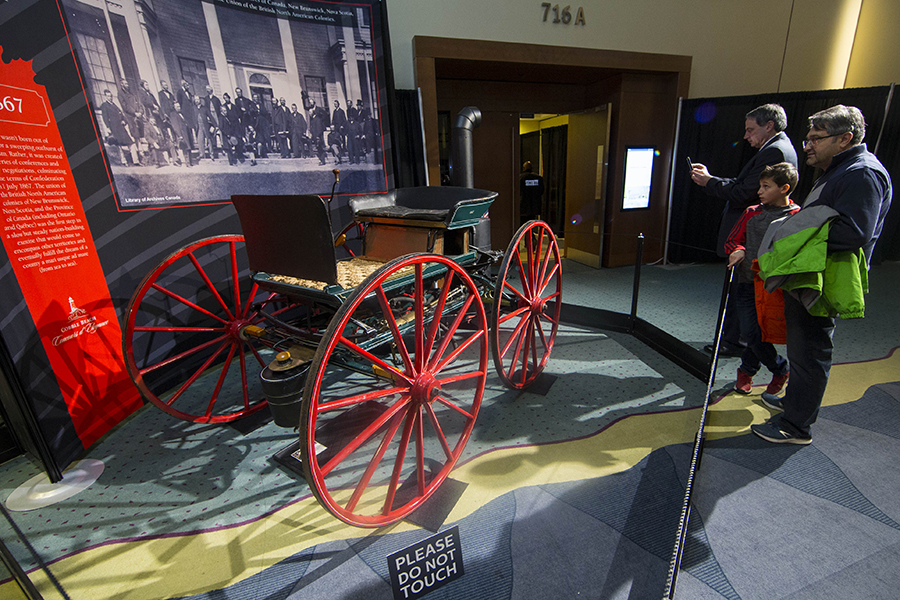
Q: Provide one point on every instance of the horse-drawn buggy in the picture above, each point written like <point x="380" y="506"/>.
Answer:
<point x="378" y="359"/>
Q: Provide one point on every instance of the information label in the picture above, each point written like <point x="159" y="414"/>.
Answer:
<point x="47" y="239"/>
<point x="426" y="566"/>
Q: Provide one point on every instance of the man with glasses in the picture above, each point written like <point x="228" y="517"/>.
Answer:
<point x="858" y="188"/>
<point x="763" y="129"/>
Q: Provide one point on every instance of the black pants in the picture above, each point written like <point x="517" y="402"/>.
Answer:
<point x="810" y="347"/>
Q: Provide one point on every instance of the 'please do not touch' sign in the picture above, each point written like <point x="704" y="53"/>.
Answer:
<point x="426" y="566"/>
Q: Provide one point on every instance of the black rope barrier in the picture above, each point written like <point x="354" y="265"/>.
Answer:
<point x="697" y="454"/>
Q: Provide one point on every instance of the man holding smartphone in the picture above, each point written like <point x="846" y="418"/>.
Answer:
<point x="763" y="129"/>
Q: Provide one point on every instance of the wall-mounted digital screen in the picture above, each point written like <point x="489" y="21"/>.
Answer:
<point x="638" y="175"/>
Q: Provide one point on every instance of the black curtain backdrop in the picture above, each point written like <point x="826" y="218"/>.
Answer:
<point x="530" y="150"/>
<point x="711" y="133"/>
<point x="554" y="144"/>
<point x="409" y="167"/>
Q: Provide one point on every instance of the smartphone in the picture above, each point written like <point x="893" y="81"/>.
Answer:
<point x="690" y="164"/>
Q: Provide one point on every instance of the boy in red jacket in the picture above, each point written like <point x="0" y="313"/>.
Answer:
<point x="775" y="185"/>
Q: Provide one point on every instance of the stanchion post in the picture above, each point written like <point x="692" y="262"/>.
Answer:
<point x="639" y="258"/>
<point x="697" y="455"/>
<point x="726" y="291"/>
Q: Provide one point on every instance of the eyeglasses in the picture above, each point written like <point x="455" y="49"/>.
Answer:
<point x="815" y="140"/>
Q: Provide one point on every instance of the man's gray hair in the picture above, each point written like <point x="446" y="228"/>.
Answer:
<point x="769" y="112"/>
<point x="841" y="119"/>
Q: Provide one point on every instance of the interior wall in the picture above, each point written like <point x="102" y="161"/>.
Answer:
<point x="588" y="147"/>
<point x="739" y="47"/>
<point x="643" y="114"/>
<point x="808" y="63"/>
<point x="496" y="148"/>
<point x="528" y="126"/>
<point x="875" y="60"/>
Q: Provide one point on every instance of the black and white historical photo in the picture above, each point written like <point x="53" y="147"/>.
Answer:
<point x="195" y="101"/>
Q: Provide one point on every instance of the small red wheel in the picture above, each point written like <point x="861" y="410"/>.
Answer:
<point x="350" y="240"/>
<point x="527" y="301"/>
<point x="394" y="390"/>
<point x="183" y="341"/>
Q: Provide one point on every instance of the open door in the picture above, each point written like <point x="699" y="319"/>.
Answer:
<point x="588" y="150"/>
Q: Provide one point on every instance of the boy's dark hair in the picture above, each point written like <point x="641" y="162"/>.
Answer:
<point x="781" y="173"/>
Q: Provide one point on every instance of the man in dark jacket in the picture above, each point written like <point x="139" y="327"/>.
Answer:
<point x="205" y="129"/>
<point x="247" y="111"/>
<point x="858" y="187"/>
<point x="119" y="135"/>
<point x="148" y="101"/>
<point x="339" y="122"/>
<point x="763" y="129"/>
<point x="133" y="109"/>
<point x="318" y="121"/>
<point x="232" y="132"/>
<point x="185" y="99"/>
<point x="213" y="108"/>
<point x="531" y="193"/>
<point x="166" y="100"/>
<point x="298" y="130"/>
<point x="281" y="121"/>
<point x="263" y="125"/>
<point x="166" y="105"/>
<point x="181" y="134"/>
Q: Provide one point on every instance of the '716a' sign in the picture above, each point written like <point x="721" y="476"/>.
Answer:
<point x="426" y="566"/>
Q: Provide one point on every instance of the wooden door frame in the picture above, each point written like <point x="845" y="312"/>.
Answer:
<point x="427" y="49"/>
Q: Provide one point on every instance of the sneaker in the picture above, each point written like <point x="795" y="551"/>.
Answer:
<point x="744" y="383"/>
<point x="772" y="401"/>
<point x="771" y="432"/>
<point x="777" y="384"/>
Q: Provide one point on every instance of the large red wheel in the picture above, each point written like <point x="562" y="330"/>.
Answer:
<point x="350" y="240"/>
<point x="527" y="301"/>
<point x="394" y="390"/>
<point x="183" y="341"/>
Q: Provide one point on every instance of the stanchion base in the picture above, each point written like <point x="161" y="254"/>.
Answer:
<point x="38" y="492"/>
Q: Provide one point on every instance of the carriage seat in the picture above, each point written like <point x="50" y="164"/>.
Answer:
<point x="288" y="235"/>
<point x="440" y="207"/>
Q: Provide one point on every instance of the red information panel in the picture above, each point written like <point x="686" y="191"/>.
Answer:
<point x="49" y="244"/>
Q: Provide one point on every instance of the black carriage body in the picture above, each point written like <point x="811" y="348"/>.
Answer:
<point x="289" y="237"/>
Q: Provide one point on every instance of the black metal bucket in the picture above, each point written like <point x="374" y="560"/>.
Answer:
<point x="284" y="391"/>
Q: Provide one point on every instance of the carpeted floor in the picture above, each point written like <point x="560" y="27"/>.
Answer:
<point x="575" y="493"/>
<point x="817" y="521"/>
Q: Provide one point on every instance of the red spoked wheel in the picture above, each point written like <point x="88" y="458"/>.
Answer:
<point x="394" y="390"/>
<point x="183" y="340"/>
<point x="527" y="301"/>
<point x="350" y="240"/>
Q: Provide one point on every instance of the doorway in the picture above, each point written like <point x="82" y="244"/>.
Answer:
<point x="505" y="79"/>
<point x="542" y="142"/>
<point x="570" y="151"/>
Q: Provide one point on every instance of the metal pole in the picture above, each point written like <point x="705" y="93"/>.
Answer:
<point x="422" y="126"/>
<point x="639" y="258"/>
<point x="18" y="574"/>
<point x="887" y="108"/>
<point x="681" y="537"/>
<point x="672" y="166"/>
<point x="462" y="173"/>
